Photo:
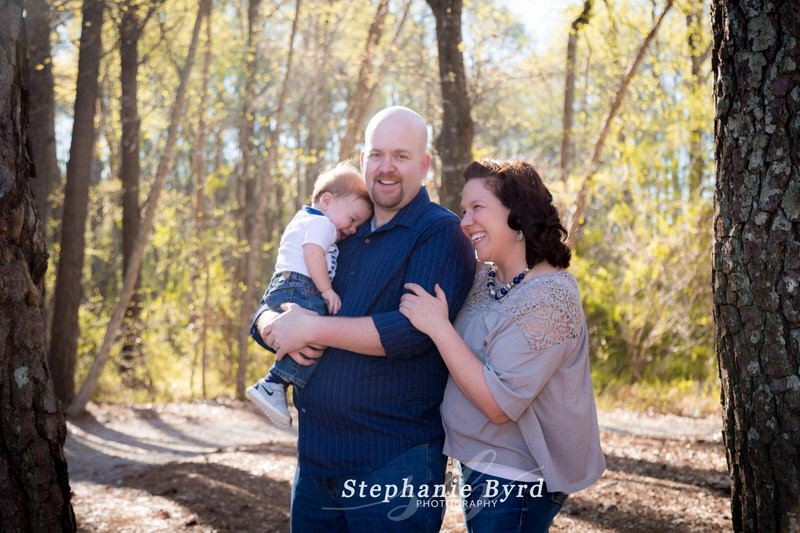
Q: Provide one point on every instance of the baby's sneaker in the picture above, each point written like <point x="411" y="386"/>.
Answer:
<point x="271" y="398"/>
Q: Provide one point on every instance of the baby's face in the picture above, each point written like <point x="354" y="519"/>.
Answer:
<point x="347" y="213"/>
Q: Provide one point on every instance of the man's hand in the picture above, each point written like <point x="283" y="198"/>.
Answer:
<point x="290" y="333"/>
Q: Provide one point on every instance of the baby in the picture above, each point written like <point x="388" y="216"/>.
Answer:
<point x="304" y="269"/>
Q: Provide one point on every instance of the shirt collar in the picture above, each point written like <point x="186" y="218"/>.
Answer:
<point x="407" y="216"/>
<point x="313" y="210"/>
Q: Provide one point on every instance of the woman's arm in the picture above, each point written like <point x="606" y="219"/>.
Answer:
<point x="429" y="315"/>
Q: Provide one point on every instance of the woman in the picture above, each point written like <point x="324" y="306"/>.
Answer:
<point x="518" y="410"/>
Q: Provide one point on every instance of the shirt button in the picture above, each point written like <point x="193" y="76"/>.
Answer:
<point x="366" y="241"/>
<point x="303" y="409"/>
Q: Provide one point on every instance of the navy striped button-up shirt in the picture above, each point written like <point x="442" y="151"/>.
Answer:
<point x="359" y="412"/>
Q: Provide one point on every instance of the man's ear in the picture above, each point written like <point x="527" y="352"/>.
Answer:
<point x="426" y="164"/>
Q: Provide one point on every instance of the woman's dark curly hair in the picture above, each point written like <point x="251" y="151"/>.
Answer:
<point x="519" y="188"/>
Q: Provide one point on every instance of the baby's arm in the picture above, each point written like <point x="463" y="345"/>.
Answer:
<point x="314" y="257"/>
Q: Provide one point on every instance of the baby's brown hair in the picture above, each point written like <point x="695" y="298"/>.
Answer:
<point x="343" y="179"/>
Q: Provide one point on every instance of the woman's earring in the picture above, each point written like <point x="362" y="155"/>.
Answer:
<point x="519" y="235"/>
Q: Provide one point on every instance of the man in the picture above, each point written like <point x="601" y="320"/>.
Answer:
<point x="370" y="435"/>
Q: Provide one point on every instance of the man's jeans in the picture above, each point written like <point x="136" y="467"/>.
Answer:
<point x="385" y="500"/>
<point x="498" y="505"/>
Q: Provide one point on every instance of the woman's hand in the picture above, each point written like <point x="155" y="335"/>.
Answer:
<point x="425" y="312"/>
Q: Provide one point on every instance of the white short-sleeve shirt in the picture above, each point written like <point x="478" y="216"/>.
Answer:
<point x="308" y="226"/>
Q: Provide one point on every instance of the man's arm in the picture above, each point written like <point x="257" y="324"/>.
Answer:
<point x="297" y="328"/>
<point x="445" y="256"/>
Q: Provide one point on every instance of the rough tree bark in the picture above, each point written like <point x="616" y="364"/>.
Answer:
<point x="42" y="104"/>
<point x="569" y="91"/>
<point x="67" y="297"/>
<point x="78" y="404"/>
<point x="454" y="142"/>
<point x="756" y="263"/>
<point x="256" y="240"/>
<point x="34" y="485"/>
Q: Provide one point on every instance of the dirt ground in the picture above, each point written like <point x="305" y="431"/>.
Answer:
<point x="219" y="466"/>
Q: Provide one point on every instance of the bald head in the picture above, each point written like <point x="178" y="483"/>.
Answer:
<point x="402" y="118"/>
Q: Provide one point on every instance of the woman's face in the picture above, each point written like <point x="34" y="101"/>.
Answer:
<point x="485" y="222"/>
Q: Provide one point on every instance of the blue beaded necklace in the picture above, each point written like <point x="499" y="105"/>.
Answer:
<point x="505" y="288"/>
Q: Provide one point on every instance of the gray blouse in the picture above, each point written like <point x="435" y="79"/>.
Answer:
<point x="534" y="346"/>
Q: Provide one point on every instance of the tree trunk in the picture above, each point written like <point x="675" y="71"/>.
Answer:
<point x="256" y="240"/>
<point x="200" y="269"/>
<point x="78" y="404"/>
<point x="359" y="106"/>
<point x="454" y="143"/>
<point x="583" y="193"/>
<point x="569" y="92"/>
<point x="67" y="299"/>
<point x="695" y="30"/>
<point x="246" y="181"/>
<point x="34" y="484"/>
<point x="42" y="104"/>
<point x="130" y="29"/>
<point x="756" y="264"/>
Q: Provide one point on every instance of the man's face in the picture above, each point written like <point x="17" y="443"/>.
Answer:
<point x="394" y="164"/>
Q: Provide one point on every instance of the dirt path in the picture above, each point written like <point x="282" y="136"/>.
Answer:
<point x="219" y="466"/>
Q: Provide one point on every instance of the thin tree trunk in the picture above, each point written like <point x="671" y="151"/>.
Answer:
<point x="454" y="142"/>
<point x="389" y="53"/>
<point x="78" y="405"/>
<point x="756" y="261"/>
<point x="358" y="108"/>
<point x="245" y="212"/>
<point x="569" y="92"/>
<point x="42" y="104"/>
<point x="64" y="336"/>
<point x="256" y="241"/>
<point x="35" y="494"/>
<point x="312" y="114"/>
<point x="200" y="270"/>
<point x="130" y="29"/>
<point x="583" y="194"/>
<point x="697" y="160"/>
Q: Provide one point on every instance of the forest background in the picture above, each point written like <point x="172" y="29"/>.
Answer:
<point x="639" y="152"/>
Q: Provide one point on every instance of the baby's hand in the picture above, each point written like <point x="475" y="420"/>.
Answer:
<point x="332" y="300"/>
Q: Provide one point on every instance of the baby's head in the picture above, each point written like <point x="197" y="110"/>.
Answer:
<point x="341" y="194"/>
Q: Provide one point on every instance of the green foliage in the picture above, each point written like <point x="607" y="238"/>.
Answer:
<point x="643" y="259"/>
<point x="687" y="397"/>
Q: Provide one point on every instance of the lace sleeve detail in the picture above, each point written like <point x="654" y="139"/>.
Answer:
<point x="547" y="310"/>
<point x="551" y="313"/>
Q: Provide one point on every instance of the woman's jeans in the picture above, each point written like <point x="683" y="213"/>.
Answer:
<point x="498" y="505"/>
<point x="292" y="287"/>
